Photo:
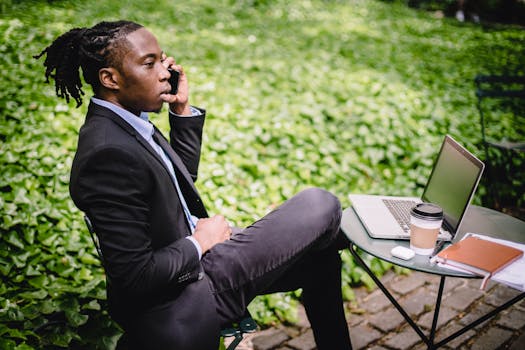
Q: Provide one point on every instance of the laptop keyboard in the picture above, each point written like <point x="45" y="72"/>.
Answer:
<point x="400" y="209"/>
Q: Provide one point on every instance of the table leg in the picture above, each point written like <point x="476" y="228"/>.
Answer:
<point x="482" y="319"/>
<point x="390" y="297"/>
<point x="436" y="311"/>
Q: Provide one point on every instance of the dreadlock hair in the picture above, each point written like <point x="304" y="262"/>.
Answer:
<point x="91" y="49"/>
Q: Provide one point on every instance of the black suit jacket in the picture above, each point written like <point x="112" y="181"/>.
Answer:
<point x="156" y="286"/>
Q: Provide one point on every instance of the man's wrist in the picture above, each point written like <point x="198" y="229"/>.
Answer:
<point x="193" y="112"/>
<point x="196" y="244"/>
<point x="181" y="110"/>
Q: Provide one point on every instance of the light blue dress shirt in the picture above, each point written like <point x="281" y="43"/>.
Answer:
<point x="145" y="129"/>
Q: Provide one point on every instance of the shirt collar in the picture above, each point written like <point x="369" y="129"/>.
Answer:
<point x="141" y="124"/>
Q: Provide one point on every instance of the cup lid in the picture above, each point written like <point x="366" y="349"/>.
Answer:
<point x="427" y="211"/>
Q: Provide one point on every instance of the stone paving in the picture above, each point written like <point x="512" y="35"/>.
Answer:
<point x="375" y="324"/>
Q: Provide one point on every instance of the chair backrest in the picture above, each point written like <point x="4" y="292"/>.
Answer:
<point x="94" y="238"/>
<point x="501" y="105"/>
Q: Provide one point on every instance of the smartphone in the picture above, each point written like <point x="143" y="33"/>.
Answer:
<point x="174" y="81"/>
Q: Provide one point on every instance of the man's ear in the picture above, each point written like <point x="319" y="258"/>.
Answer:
<point x="109" y="78"/>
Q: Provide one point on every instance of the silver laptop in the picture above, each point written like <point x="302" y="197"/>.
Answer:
<point x="451" y="185"/>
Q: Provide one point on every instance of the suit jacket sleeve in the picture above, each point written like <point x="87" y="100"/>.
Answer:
<point x="186" y="137"/>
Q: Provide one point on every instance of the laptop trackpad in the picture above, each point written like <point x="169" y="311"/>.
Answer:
<point x="380" y="223"/>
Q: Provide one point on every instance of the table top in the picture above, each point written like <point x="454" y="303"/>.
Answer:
<point x="477" y="220"/>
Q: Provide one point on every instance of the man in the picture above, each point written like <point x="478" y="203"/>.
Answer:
<point x="175" y="275"/>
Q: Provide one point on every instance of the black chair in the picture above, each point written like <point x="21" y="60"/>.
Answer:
<point x="501" y="106"/>
<point x="237" y="329"/>
<point x="246" y="325"/>
<point x="94" y="237"/>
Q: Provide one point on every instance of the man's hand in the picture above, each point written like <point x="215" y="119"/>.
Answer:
<point x="179" y="103"/>
<point x="211" y="231"/>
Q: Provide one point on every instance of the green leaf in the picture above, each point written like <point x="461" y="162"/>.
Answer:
<point x="76" y="318"/>
<point x="37" y="294"/>
<point x="7" y="344"/>
<point x="49" y="307"/>
<point x="39" y="281"/>
<point x="61" y="339"/>
<point x="13" y="238"/>
<point x="24" y="346"/>
<point x="92" y="305"/>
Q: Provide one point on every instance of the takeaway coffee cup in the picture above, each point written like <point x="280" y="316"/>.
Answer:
<point x="425" y="222"/>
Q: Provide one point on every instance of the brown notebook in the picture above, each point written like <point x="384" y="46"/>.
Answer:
<point x="479" y="256"/>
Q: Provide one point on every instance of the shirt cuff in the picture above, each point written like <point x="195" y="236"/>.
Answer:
<point x="195" y="112"/>
<point x="197" y="245"/>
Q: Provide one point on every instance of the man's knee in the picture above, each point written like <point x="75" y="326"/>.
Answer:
<point x="322" y="202"/>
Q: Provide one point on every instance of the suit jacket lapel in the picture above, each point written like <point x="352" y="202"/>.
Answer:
<point x="187" y="187"/>
<point x="175" y="159"/>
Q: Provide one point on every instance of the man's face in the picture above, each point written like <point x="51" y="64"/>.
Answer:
<point x="143" y="79"/>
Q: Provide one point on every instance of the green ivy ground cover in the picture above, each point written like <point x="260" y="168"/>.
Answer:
<point x="344" y="95"/>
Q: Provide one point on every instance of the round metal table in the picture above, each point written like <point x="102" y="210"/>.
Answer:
<point x="477" y="220"/>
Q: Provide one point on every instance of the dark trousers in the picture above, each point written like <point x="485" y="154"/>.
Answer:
<point x="294" y="246"/>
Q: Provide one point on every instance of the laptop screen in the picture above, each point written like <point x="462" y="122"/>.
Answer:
<point x="453" y="182"/>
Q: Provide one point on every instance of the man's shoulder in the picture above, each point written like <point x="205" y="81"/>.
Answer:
<point x="97" y="114"/>
<point x="103" y="125"/>
<point x="100" y="130"/>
